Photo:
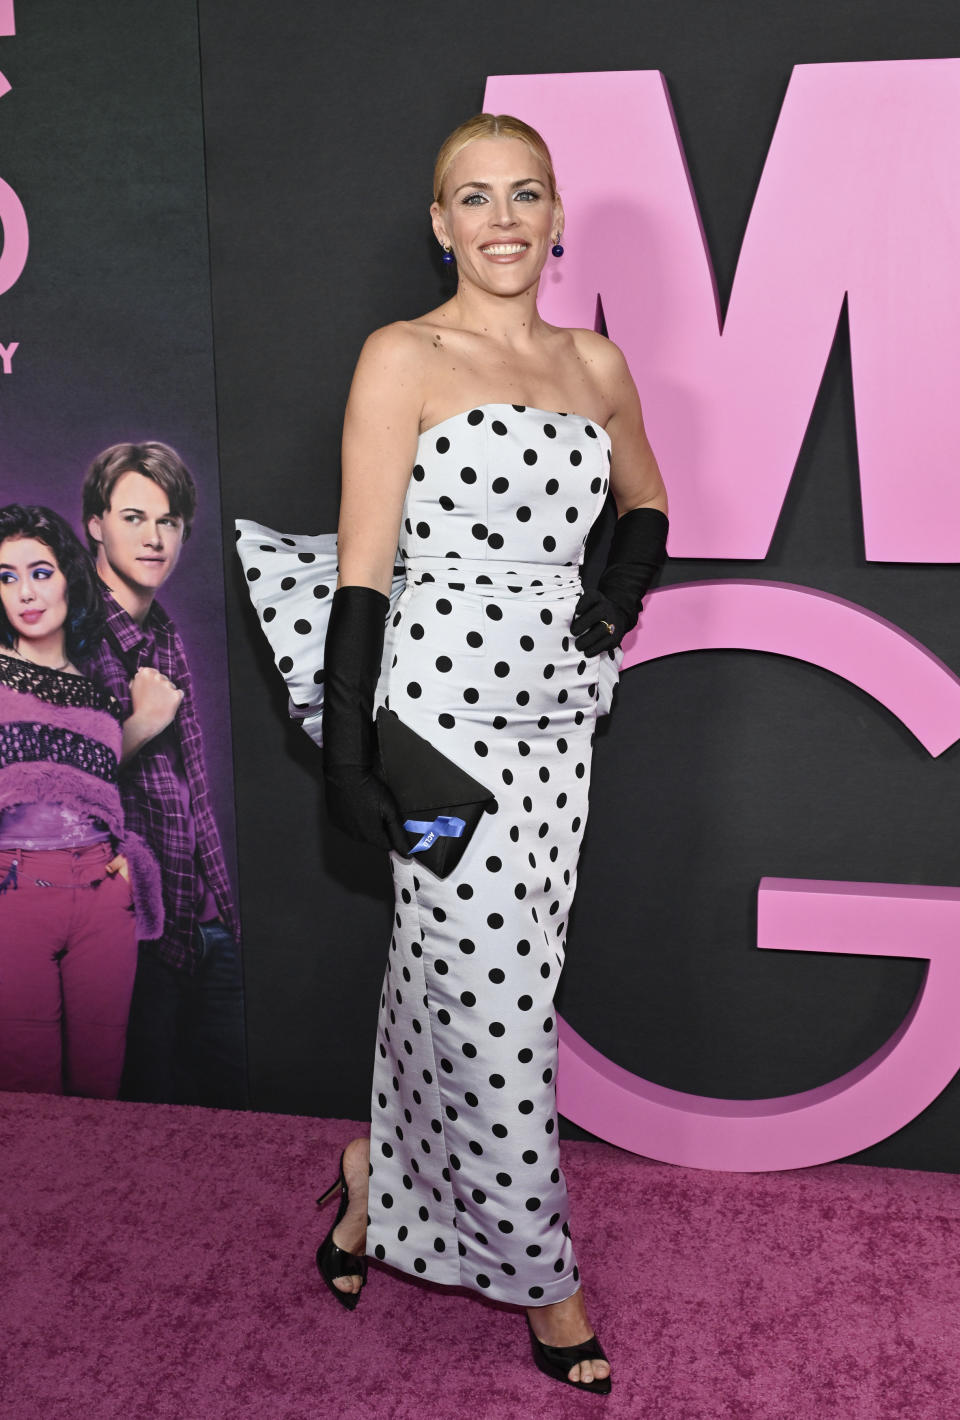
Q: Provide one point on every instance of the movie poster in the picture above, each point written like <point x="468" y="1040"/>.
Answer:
<point x="119" y="937"/>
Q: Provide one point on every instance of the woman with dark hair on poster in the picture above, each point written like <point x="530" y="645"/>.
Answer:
<point x="73" y="886"/>
<point x="491" y="651"/>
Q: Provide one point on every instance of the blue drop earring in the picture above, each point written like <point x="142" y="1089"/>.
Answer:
<point x="557" y="249"/>
<point x="447" y="257"/>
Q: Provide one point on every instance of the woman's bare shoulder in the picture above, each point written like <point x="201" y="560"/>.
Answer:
<point x="400" y="340"/>
<point x="598" y="350"/>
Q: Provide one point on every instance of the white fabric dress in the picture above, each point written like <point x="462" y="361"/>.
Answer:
<point x="466" y="1186"/>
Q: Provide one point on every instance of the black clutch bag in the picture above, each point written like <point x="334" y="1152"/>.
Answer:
<point x="440" y="803"/>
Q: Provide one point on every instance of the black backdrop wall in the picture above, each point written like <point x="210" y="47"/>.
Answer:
<point x="321" y="124"/>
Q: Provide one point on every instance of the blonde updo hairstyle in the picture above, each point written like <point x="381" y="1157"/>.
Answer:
<point x="490" y="125"/>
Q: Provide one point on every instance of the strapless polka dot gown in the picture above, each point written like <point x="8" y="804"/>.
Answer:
<point x="466" y="1186"/>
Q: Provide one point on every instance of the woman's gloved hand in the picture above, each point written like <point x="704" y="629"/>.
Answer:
<point x="605" y="614"/>
<point x="358" y="801"/>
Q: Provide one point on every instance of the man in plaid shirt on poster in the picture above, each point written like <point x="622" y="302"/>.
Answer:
<point x="185" y="1039"/>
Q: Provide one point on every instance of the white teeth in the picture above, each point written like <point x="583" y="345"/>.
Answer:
<point x="505" y="248"/>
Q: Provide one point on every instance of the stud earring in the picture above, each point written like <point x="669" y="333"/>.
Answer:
<point x="557" y="249"/>
<point x="447" y="257"/>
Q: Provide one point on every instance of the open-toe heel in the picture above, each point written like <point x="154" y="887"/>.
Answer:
<point x="332" y="1261"/>
<point x="555" y="1361"/>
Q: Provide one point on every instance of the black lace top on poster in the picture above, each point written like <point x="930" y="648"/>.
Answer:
<point x="60" y="688"/>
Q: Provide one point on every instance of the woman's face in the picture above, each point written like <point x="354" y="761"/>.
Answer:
<point x="33" y="590"/>
<point x="498" y="214"/>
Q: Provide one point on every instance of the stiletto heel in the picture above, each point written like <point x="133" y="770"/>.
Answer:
<point x="332" y="1261"/>
<point x="555" y="1361"/>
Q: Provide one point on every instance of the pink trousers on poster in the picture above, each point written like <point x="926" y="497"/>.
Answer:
<point x="68" y="955"/>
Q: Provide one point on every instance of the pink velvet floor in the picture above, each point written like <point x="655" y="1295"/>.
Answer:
<point x="158" y="1262"/>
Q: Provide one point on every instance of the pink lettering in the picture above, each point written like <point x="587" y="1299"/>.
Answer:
<point x="13" y="219"/>
<point x="855" y="198"/>
<point x="878" y="919"/>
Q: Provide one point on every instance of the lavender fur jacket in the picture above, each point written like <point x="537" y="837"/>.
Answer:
<point x="60" y="740"/>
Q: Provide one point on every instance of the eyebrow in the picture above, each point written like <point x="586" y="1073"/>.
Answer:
<point x="485" y="186"/>
<point x="167" y="514"/>
<point x="40" y="562"/>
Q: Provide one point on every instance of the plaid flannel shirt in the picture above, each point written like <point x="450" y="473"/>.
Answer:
<point x="149" y="786"/>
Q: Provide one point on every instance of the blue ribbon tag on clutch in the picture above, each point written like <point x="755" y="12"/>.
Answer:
<point x="442" y="827"/>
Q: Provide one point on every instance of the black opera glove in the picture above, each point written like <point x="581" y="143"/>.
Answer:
<point x="604" y="615"/>
<point x="358" y="801"/>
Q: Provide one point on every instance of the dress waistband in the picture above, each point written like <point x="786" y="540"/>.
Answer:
<point x="481" y="577"/>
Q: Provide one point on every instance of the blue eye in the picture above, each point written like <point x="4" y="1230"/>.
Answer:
<point x="473" y="198"/>
<point x="528" y="192"/>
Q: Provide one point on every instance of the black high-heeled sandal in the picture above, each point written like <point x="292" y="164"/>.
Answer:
<point x="332" y="1261"/>
<point x="555" y="1361"/>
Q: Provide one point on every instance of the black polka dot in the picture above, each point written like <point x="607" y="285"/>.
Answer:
<point x="443" y="444"/>
<point x="530" y="456"/>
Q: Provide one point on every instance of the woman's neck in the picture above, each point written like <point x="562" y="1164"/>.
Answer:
<point x="514" y="320"/>
<point x="49" y="651"/>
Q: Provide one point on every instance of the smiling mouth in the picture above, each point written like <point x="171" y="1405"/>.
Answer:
<point x="504" y="248"/>
<point x="31" y="616"/>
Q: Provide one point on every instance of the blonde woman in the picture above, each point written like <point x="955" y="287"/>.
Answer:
<point x="485" y="442"/>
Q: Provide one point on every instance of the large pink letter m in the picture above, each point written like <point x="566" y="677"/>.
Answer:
<point x="860" y="195"/>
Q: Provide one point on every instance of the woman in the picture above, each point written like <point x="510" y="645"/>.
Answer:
<point x="497" y="655"/>
<point x="68" y="877"/>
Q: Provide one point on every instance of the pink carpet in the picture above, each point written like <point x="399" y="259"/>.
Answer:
<point x="158" y="1261"/>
